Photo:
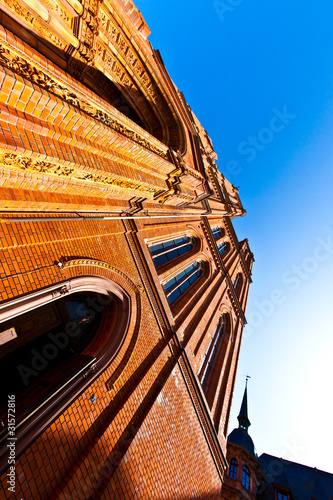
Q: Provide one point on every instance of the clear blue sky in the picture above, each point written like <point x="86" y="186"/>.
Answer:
<point x="259" y="76"/>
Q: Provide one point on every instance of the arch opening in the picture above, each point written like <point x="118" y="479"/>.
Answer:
<point x="54" y="340"/>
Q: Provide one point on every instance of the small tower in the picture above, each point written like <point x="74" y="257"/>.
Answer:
<point x="243" y="419"/>
<point x="243" y="473"/>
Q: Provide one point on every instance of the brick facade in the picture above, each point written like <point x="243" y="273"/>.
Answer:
<point x="101" y="159"/>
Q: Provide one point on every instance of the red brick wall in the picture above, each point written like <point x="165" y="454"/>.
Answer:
<point x="145" y="436"/>
<point x="158" y="446"/>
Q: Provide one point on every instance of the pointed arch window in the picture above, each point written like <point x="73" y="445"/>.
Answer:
<point x="238" y="284"/>
<point x="246" y="477"/>
<point x="178" y="285"/>
<point x="211" y="353"/>
<point x="52" y="342"/>
<point x="168" y="250"/>
<point x="233" y="469"/>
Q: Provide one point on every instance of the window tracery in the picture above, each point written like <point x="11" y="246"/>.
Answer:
<point x="178" y="285"/>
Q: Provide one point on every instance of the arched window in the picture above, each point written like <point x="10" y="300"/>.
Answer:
<point x="217" y="232"/>
<point x="212" y="351"/>
<point x="54" y="340"/>
<point x="179" y="284"/>
<point x="246" y="477"/>
<point x="233" y="469"/>
<point x="222" y="247"/>
<point x="238" y="283"/>
<point x="169" y="250"/>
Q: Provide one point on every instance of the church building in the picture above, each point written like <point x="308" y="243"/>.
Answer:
<point x="123" y="284"/>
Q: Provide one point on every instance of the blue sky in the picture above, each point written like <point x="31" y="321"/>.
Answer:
<point x="259" y="76"/>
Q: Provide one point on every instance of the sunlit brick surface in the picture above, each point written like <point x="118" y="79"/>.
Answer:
<point x="100" y="158"/>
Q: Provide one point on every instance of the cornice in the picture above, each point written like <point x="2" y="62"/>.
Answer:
<point x="27" y="163"/>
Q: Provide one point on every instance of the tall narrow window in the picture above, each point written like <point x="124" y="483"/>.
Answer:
<point x="222" y="247"/>
<point x="233" y="469"/>
<point x="169" y="250"/>
<point x="211" y="353"/>
<point x="238" y="283"/>
<point x="217" y="232"/>
<point x="179" y="284"/>
<point x="246" y="478"/>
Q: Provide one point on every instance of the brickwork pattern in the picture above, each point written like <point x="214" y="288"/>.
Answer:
<point x="81" y="438"/>
<point x="68" y="158"/>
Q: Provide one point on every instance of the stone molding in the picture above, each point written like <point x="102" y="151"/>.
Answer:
<point x="12" y="59"/>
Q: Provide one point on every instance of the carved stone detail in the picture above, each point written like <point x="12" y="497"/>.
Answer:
<point x="26" y="163"/>
<point x="120" y="42"/>
<point x="28" y="70"/>
<point x="21" y="11"/>
<point x="98" y="263"/>
<point x="91" y="20"/>
<point x="63" y="13"/>
<point x="13" y="160"/>
<point x="36" y="25"/>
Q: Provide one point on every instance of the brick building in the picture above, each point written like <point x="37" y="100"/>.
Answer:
<point x="123" y="284"/>
<point x="266" y="477"/>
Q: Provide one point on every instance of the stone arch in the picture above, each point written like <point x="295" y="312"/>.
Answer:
<point x="130" y="78"/>
<point x="106" y="354"/>
<point x="100" y="48"/>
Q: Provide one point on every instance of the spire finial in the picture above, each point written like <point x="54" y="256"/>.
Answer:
<point x="243" y="419"/>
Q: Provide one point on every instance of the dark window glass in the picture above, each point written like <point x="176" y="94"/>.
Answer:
<point x="169" y="250"/>
<point x="233" y="469"/>
<point x="160" y="259"/>
<point x="211" y="353"/>
<point x="238" y="282"/>
<point x="217" y="232"/>
<point x="173" y="295"/>
<point x="246" y="478"/>
<point x="170" y="285"/>
<point x="184" y="286"/>
<point x="155" y="249"/>
<point x="222" y="247"/>
<point x="282" y="496"/>
<point x="180" y="283"/>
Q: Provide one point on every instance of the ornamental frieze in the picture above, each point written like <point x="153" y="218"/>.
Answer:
<point x="59" y="9"/>
<point x="31" y="72"/>
<point x="31" y="164"/>
<point x="34" y="22"/>
<point x="25" y="163"/>
<point x="123" y="46"/>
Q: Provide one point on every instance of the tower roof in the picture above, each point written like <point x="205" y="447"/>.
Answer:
<point x="240" y="435"/>
<point x="243" y="419"/>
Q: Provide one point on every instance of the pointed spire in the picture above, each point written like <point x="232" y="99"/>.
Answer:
<point x="243" y="419"/>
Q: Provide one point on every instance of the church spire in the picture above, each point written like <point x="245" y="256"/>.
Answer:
<point x="243" y="419"/>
